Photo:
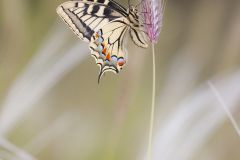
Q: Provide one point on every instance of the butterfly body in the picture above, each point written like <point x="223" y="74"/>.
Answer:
<point x="103" y="23"/>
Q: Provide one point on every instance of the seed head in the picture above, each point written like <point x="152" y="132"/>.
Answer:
<point x="152" y="14"/>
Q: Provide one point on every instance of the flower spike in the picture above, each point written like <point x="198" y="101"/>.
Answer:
<point x="152" y="13"/>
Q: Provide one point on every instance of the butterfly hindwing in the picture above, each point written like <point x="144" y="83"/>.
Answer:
<point x="139" y="37"/>
<point x="106" y="46"/>
<point x="86" y="17"/>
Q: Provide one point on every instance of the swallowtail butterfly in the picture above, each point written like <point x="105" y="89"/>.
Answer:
<point x="104" y="23"/>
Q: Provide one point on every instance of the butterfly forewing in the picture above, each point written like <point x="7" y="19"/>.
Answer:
<point x="111" y="3"/>
<point x="86" y="17"/>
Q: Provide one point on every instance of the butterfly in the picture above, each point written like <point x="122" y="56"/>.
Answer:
<point x="104" y="24"/>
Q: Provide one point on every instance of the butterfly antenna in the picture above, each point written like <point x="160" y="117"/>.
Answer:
<point x="129" y="4"/>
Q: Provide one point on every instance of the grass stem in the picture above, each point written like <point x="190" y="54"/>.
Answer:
<point x="224" y="106"/>
<point x="149" y="154"/>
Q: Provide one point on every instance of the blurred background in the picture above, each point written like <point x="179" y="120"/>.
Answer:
<point x="52" y="108"/>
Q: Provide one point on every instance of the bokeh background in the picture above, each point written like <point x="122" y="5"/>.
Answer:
<point x="52" y="108"/>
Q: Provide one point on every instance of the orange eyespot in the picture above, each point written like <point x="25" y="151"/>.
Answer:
<point x="121" y="62"/>
<point x="104" y="44"/>
<point x="104" y="50"/>
<point x="108" y="57"/>
<point x="97" y="36"/>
